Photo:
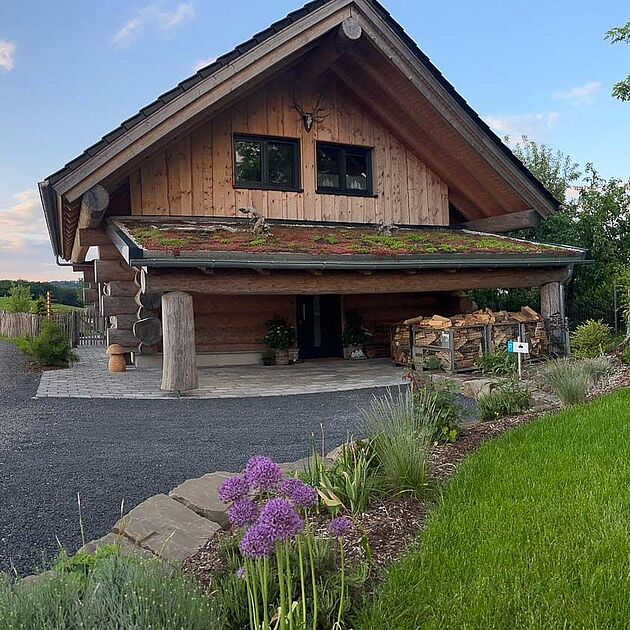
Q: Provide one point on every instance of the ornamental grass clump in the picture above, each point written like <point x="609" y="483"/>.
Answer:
<point x="401" y="429"/>
<point x="573" y="380"/>
<point x="279" y="552"/>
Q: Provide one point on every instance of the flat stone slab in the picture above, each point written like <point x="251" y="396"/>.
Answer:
<point x="478" y="387"/>
<point x="200" y="495"/>
<point x="167" y="528"/>
<point x="125" y="545"/>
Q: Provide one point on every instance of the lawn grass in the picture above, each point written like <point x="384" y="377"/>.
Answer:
<point x="533" y="532"/>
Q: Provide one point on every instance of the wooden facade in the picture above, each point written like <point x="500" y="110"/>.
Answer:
<point x="194" y="175"/>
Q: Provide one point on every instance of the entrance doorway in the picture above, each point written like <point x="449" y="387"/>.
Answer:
<point x="319" y="326"/>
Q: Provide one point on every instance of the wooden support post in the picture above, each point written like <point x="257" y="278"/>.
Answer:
<point x="179" y="366"/>
<point x="552" y="311"/>
<point x="93" y="206"/>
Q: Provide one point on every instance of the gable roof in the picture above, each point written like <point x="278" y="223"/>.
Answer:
<point x="82" y="172"/>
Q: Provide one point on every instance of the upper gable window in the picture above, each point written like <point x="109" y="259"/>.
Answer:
<point x="267" y="163"/>
<point x="344" y="170"/>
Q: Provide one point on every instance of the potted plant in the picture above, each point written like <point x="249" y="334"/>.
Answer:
<point x="280" y="338"/>
<point x="354" y="336"/>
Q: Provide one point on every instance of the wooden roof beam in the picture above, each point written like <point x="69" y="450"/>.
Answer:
<point x="505" y="222"/>
<point x="94" y="204"/>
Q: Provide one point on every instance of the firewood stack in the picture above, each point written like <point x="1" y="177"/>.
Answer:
<point x="470" y="334"/>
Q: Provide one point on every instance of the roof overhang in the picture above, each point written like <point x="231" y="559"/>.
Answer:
<point x="138" y="256"/>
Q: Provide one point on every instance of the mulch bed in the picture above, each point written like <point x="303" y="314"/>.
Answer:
<point x="393" y="524"/>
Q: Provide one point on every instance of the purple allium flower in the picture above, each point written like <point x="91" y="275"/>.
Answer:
<point x="233" y="489"/>
<point x="300" y="493"/>
<point x="282" y="518"/>
<point x="258" y="541"/>
<point x="340" y="526"/>
<point x="262" y="474"/>
<point x="243" y="512"/>
<point x="241" y="573"/>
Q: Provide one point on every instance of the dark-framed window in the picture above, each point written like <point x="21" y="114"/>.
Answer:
<point x="344" y="169"/>
<point x="266" y="162"/>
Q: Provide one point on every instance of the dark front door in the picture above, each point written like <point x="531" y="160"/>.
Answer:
<point x="319" y="326"/>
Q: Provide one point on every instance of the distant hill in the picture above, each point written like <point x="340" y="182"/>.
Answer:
<point x="69" y="292"/>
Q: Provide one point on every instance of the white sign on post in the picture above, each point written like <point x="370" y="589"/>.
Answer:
<point x="518" y="347"/>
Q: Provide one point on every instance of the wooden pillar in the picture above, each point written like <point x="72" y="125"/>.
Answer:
<point x="179" y="368"/>
<point x="552" y="310"/>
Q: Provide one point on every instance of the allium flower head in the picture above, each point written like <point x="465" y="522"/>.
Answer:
<point x="301" y="494"/>
<point x="243" y="512"/>
<point x="281" y="517"/>
<point x="262" y="474"/>
<point x="340" y="526"/>
<point x="233" y="489"/>
<point x="258" y="541"/>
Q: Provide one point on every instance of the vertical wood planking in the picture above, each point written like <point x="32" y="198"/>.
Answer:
<point x="194" y="175"/>
<point x="135" y="191"/>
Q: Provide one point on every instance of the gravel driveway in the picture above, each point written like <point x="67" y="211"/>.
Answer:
<point x="107" y="450"/>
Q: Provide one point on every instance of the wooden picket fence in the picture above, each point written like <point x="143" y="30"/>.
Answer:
<point x="82" y="327"/>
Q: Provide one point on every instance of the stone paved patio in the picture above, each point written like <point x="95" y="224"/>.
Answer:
<point x="89" y="378"/>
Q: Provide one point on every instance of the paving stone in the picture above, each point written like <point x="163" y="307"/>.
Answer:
<point x="167" y="528"/>
<point x="125" y="545"/>
<point x="200" y="495"/>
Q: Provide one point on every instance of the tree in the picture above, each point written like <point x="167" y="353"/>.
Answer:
<point x="621" y="34"/>
<point x="20" y="299"/>
<point x="557" y="171"/>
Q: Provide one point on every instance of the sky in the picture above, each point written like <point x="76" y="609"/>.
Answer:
<point x="72" y="71"/>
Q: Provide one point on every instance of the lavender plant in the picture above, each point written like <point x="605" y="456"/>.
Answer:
<point x="270" y="512"/>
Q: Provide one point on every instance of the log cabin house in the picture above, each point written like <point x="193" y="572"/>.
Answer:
<point x="333" y="126"/>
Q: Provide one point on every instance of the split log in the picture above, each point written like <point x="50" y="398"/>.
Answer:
<point x="108" y="270"/>
<point x="179" y="369"/>
<point x="148" y="331"/>
<point x="117" y="305"/>
<point x="121" y="321"/>
<point x="148" y="300"/>
<point x="144" y="313"/>
<point x="505" y="222"/>
<point x="90" y="296"/>
<point x="88" y="237"/>
<point x="125" y="338"/>
<point x="117" y="288"/>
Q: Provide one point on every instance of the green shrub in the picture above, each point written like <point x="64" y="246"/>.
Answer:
<point x="625" y="355"/>
<point x="119" y="592"/>
<point x="280" y="334"/>
<point x="508" y="399"/>
<point x="591" y="339"/>
<point x="497" y="363"/>
<point x="83" y="564"/>
<point x="431" y="363"/>
<point x="448" y="409"/>
<point x="401" y="429"/>
<point x="572" y="380"/>
<point x="51" y="347"/>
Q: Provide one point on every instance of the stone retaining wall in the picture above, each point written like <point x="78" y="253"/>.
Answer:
<point x="175" y="526"/>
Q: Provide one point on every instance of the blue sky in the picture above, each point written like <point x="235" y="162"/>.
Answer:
<point x="71" y="71"/>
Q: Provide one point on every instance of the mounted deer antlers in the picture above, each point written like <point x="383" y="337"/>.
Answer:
<point x="310" y="118"/>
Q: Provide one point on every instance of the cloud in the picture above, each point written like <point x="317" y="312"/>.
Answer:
<point x="534" y="125"/>
<point x="22" y="223"/>
<point x="155" y="16"/>
<point x="581" y="95"/>
<point x="7" y="55"/>
<point x="202" y="63"/>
